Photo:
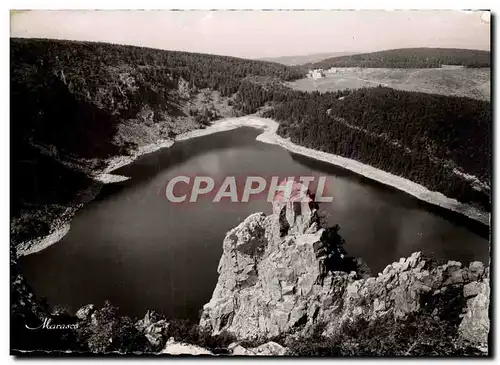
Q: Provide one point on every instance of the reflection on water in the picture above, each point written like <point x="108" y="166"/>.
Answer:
<point x="133" y="247"/>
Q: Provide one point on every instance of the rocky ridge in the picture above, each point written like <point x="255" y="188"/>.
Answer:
<point x="281" y="278"/>
<point x="274" y="283"/>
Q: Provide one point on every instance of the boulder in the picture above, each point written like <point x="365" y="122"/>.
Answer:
<point x="476" y="269"/>
<point x="268" y="349"/>
<point x="472" y="289"/>
<point x="154" y="328"/>
<point x="241" y="351"/>
<point x="84" y="312"/>
<point x="180" y="348"/>
<point x="475" y="325"/>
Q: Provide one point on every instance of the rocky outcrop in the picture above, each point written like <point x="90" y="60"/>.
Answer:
<point x="295" y="208"/>
<point x="266" y="284"/>
<point x="400" y="290"/>
<point x="475" y="325"/>
<point x="270" y="284"/>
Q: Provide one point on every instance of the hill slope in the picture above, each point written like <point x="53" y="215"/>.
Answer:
<point x="410" y="58"/>
<point x="75" y="104"/>
<point x="440" y="142"/>
<point x="469" y="82"/>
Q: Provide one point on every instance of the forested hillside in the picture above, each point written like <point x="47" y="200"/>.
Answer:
<point x="97" y="85"/>
<point x="74" y="104"/>
<point x="409" y="58"/>
<point x="441" y="142"/>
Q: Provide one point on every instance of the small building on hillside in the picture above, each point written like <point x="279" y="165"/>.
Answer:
<point x="316" y="74"/>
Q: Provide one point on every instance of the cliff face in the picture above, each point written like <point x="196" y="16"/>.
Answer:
<point x="272" y="283"/>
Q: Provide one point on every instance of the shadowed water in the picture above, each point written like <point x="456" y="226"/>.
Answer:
<point x="136" y="249"/>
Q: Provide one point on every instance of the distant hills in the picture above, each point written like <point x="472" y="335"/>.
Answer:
<point x="408" y="58"/>
<point x="302" y="59"/>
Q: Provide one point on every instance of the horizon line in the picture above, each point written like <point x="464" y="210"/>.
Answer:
<point x="257" y="58"/>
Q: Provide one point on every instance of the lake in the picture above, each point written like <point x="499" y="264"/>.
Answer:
<point x="135" y="248"/>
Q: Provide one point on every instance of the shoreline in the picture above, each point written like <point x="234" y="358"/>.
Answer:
<point x="270" y="136"/>
<point x="269" y="128"/>
<point x="60" y="226"/>
<point x="106" y="176"/>
<point x="38" y="244"/>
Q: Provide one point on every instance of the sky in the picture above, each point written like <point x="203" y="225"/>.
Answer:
<point x="257" y="34"/>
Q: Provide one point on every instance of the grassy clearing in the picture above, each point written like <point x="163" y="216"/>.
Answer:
<point x="470" y="82"/>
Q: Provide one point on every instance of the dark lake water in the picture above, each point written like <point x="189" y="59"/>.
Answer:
<point x="138" y="250"/>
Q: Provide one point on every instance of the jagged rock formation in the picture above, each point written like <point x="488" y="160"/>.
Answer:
<point x="295" y="208"/>
<point x="271" y="284"/>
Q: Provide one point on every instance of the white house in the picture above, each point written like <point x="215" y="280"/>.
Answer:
<point x="316" y="74"/>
